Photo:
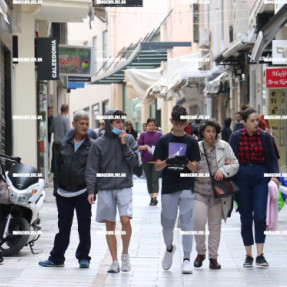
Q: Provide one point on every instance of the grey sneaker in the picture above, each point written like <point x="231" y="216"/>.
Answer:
<point x="115" y="267"/>
<point x="167" y="258"/>
<point x="126" y="265"/>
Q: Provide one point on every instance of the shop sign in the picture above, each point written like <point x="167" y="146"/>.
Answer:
<point x="118" y="3"/>
<point x="75" y="61"/>
<point x="278" y="49"/>
<point x="276" y="78"/>
<point x="47" y="51"/>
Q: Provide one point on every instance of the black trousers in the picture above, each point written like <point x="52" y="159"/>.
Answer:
<point x="66" y="207"/>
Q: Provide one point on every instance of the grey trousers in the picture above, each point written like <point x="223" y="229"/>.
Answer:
<point x="170" y="204"/>
<point x="212" y="214"/>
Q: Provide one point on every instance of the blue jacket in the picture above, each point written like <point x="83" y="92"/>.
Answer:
<point x="271" y="160"/>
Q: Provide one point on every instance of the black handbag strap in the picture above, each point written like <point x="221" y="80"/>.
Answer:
<point x="209" y="169"/>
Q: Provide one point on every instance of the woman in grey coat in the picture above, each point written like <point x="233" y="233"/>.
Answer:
<point x="207" y="207"/>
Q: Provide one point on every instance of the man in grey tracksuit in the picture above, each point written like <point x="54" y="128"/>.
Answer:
<point x="109" y="169"/>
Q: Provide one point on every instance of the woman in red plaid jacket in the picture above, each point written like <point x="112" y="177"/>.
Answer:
<point x="255" y="152"/>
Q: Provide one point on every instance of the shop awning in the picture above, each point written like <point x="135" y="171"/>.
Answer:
<point x="268" y="32"/>
<point x="138" y="81"/>
<point x="176" y="74"/>
<point x="244" y="43"/>
<point x="137" y="60"/>
<point x="4" y="10"/>
<point x="100" y="13"/>
<point x="132" y="57"/>
<point x="213" y="86"/>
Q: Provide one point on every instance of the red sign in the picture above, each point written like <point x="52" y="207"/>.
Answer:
<point x="276" y="78"/>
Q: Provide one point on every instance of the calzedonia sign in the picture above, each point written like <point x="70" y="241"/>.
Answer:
<point x="75" y="61"/>
<point x="47" y="50"/>
<point x="118" y="3"/>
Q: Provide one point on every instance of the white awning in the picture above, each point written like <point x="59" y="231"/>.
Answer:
<point x="176" y="74"/>
<point x="4" y="10"/>
<point x="214" y="85"/>
<point x="138" y="81"/>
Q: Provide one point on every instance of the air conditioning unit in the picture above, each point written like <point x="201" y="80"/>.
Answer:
<point x="204" y="38"/>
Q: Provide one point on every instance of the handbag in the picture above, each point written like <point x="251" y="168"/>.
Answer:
<point x="138" y="170"/>
<point x="222" y="188"/>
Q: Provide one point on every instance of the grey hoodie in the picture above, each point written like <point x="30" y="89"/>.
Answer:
<point x="108" y="155"/>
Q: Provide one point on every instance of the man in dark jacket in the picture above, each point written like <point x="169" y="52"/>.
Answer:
<point x="226" y="132"/>
<point x="71" y="193"/>
<point x="110" y="168"/>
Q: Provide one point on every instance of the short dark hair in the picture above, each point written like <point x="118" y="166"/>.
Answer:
<point x="64" y="108"/>
<point x="119" y="113"/>
<point x="151" y="120"/>
<point x="246" y="113"/>
<point x="210" y="122"/>
<point x="178" y="111"/>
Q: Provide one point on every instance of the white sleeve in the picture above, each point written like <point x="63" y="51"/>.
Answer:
<point x="283" y="189"/>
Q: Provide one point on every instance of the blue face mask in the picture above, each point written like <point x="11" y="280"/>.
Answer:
<point x="116" y="131"/>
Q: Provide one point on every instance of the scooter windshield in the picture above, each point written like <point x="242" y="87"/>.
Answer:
<point x="23" y="175"/>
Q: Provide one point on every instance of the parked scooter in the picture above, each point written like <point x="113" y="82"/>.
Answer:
<point x="22" y="195"/>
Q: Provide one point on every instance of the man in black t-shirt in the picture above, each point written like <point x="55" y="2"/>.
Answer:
<point x="177" y="154"/>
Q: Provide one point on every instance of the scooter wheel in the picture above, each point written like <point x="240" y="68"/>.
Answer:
<point x="15" y="243"/>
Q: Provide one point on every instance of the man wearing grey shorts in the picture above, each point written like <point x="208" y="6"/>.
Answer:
<point x="109" y="170"/>
<point x="177" y="154"/>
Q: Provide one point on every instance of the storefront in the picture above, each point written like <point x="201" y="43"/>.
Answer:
<point x="5" y="80"/>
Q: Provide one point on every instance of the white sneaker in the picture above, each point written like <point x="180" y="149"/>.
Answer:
<point x="186" y="267"/>
<point x="115" y="267"/>
<point x="126" y="265"/>
<point x="167" y="258"/>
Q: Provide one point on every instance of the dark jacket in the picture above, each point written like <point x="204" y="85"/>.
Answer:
<point x="70" y="166"/>
<point x="271" y="160"/>
<point x="109" y="155"/>
<point x="238" y="126"/>
<point x="134" y="133"/>
<point x="226" y="133"/>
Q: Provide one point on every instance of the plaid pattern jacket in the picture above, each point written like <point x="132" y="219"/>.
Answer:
<point x="271" y="160"/>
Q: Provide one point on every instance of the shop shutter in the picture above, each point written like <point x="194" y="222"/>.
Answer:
<point x="2" y="101"/>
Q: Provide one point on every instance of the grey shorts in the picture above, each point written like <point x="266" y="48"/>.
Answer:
<point x="109" y="200"/>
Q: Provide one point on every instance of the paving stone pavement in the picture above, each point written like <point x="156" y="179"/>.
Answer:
<point x="146" y="252"/>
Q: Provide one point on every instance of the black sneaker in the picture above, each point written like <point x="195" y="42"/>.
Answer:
<point x="248" y="261"/>
<point x="153" y="201"/>
<point x="261" y="261"/>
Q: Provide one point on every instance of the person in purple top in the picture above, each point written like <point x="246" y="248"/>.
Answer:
<point x="147" y="142"/>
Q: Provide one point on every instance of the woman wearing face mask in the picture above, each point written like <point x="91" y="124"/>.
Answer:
<point x="208" y="208"/>
<point x="255" y="152"/>
<point x="147" y="142"/>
